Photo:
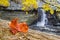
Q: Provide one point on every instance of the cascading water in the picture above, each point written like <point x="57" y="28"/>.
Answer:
<point x="42" y="19"/>
<point x="42" y="23"/>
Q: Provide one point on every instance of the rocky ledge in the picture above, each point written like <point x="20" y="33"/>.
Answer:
<point x="5" y="34"/>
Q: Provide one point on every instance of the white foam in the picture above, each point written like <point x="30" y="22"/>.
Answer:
<point x="43" y="19"/>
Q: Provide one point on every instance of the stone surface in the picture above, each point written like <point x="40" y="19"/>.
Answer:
<point x="58" y="15"/>
<point x="22" y="16"/>
<point x="5" y="34"/>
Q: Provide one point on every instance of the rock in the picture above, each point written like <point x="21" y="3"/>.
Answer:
<point x="17" y="1"/>
<point x="20" y="15"/>
<point x="5" y="34"/>
<point x="58" y="15"/>
<point x="31" y="35"/>
<point x="14" y="6"/>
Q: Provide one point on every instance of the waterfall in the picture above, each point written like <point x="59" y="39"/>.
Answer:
<point x="43" y="24"/>
<point x="42" y="19"/>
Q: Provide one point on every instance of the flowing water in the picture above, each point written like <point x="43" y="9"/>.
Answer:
<point x="42" y="24"/>
<point x="41" y="18"/>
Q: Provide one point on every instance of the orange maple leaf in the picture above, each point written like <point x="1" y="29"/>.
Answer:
<point x="18" y="27"/>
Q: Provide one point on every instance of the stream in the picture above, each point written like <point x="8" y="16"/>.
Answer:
<point x="42" y="24"/>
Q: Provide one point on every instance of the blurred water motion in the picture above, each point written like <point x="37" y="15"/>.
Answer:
<point x="41" y="18"/>
<point x="42" y="24"/>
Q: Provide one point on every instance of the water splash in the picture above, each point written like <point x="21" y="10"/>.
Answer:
<point x="42" y="19"/>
